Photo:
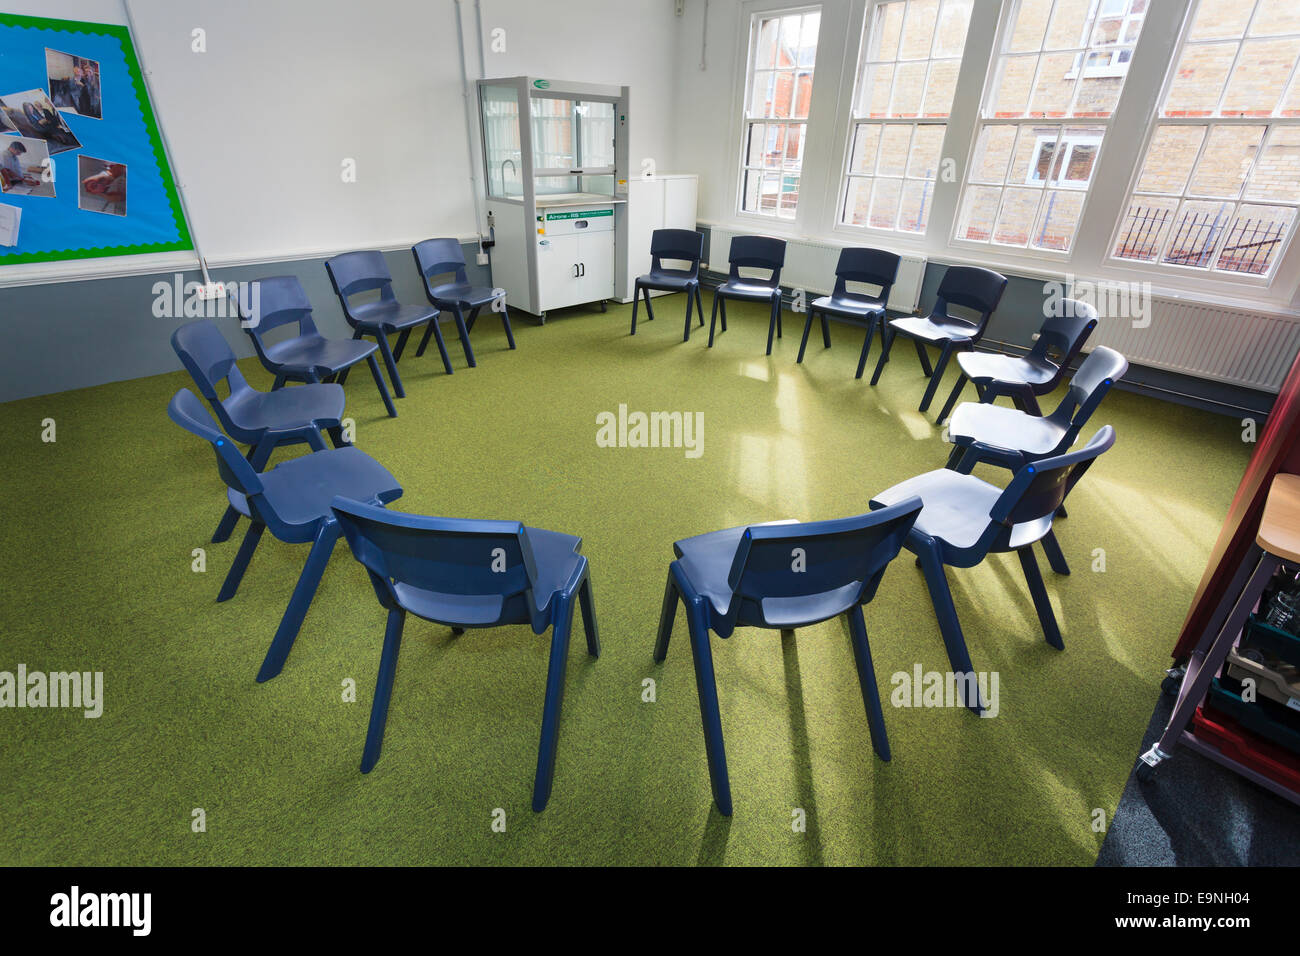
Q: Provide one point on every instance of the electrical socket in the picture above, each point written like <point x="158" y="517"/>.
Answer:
<point x="212" y="290"/>
<point x="483" y="258"/>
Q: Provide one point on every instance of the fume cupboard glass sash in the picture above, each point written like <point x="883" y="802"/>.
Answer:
<point x="571" y="135"/>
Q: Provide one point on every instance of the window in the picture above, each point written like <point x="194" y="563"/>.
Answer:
<point x="778" y="92"/>
<point x="907" y="74"/>
<point x="1220" y="184"/>
<point x="1045" y="117"/>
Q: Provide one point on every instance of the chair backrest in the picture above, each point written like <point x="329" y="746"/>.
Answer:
<point x="355" y="272"/>
<point x="435" y="257"/>
<point x="820" y="569"/>
<point x="279" y="300"/>
<point x="971" y="287"/>
<point x="1099" y="371"/>
<point x="1065" y="330"/>
<point x="207" y="356"/>
<point x="757" y="252"/>
<point x="483" y="568"/>
<point x="186" y="410"/>
<point x="870" y="266"/>
<point x="1038" y="489"/>
<point x="679" y="244"/>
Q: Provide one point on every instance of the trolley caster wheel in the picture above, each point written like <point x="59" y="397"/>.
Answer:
<point x="1144" y="772"/>
<point x="1173" y="680"/>
<point x="604" y="306"/>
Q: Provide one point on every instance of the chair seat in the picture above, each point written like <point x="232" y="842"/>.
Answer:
<point x="955" y="511"/>
<point x="392" y="316"/>
<point x="984" y="367"/>
<point x="1001" y="427"/>
<point x="755" y="289"/>
<point x="863" y="307"/>
<point x="308" y="354"/>
<point x="555" y="556"/>
<point x="934" y="329"/>
<point x="285" y="410"/>
<point x="665" y="279"/>
<point x="300" y="490"/>
<point x="707" y="558"/>
<point x="452" y="294"/>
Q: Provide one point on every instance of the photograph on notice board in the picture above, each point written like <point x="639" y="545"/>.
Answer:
<point x="103" y="186"/>
<point x="6" y="124"/>
<point x="74" y="83"/>
<point x="32" y="113"/>
<point x="25" y="167"/>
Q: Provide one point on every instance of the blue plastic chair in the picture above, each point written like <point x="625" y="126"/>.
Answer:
<point x="781" y="575"/>
<point x="1011" y="438"/>
<point x="865" y="267"/>
<point x="675" y="245"/>
<point x="752" y="252"/>
<point x="1024" y="378"/>
<point x="293" y="501"/>
<point x="965" y="519"/>
<point x="308" y="356"/>
<point x="471" y="573"/>
<point x="979" y="290"/>
<point x="439" y="257"/>
<point x="355" y="273"/>
<point x="261" y="420"/>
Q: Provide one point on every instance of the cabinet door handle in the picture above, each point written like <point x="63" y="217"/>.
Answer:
<point x="575" y="270"/>
<point x="584" y="268"/>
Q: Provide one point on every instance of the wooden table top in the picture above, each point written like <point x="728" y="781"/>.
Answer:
<point x="1279" y="527"/>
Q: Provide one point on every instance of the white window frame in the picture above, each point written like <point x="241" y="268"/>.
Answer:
<point x="1285" y="269"/>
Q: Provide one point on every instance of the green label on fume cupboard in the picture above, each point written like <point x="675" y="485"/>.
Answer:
<point x="588" y="214"/>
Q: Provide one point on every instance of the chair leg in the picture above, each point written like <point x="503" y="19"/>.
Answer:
<point x="1055" y="558"/>
<point x="401" y="345"/>
<point x="463" y="330"/>
<point x="391" y="364"/>
<point x="1042" y="603"/>
<point x="776" y="307"/>
<point x="649" y="310"/>
<point x="952" y="398"/>
<point x="560" y="628"/>
<point x="336" y="437"/>
<point x="473" y="317"/>
<point x="826" y="331"/>
<point x="383" y="689"/>
<point x="636" y="302"/>
<point x="771" y="327"/>
<point x="1031" y="404"/>
<point x="245" y="554"/>
<point x="954" y="457"/>
<point x="341" y="378"/>
<point x="935" y="378"/>
<point x="379" y="383"/>
<point x="505" y="323"/>
<point x="278" y="383"/>
<point x="867" y="678"/>
<point x="887" y="335"/>
<point x="710" y="715"/>
<point x="949" y="626"/>
<point x="968" y="461"/>
<point x="803" y="343"/>
<point x="588" y="604"/>
<point x="866" y="350"/>
<point x="666" y="616"/>
<point x="724" y="313"/>
<point x="300" y="601"/>
<point x="699" y="306"/>
<point x="690" y="301"/>
<point x="924" y="356"/>
<point x="435" y="331"/>
<point x="713" y="322"/>
<point x="226" y="526"/>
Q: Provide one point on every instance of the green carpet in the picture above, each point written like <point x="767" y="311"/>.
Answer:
<point x="96" y="559"/>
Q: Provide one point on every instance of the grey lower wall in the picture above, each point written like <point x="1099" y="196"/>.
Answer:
<point x="66" y="335"/>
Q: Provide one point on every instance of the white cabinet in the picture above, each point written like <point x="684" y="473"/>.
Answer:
<point x="575" y="257"/>
<point x="658" y="202"/>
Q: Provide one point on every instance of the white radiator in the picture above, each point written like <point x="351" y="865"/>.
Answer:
<point x="810" y="265"/>
<point x="1216" y="342"/>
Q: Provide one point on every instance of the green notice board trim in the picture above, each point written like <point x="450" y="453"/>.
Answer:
<point x="585" y="214"/>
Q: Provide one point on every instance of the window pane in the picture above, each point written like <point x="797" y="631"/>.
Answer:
<point x="950" y="37"/>
<point x="1226" y="161"/>
<point x="1069" y="21"/>
<point x="979" y="207"/>
<point x="927" y="144"/>
<point x="1017" y="216"/>
<point x="1199" y="79"/>
<point x="1260" y="77"/>
<point x="894" y="142"/>
<point x="808" y="39"/>
<point x="1031" y="24"/>
<point x="1220" y="21"/>
<point x="1144" y="227"/>
<point x="865" y="143"/>
<point x="884" y="203"/>
<point x="856" y="200"/>
<point x="1012" y="94"/>
<point x="1099" y="89"/>
<point x="886" y="32"/>
<point x="1054" y="90"/>
<point x="1170" y="158"/>
<point x="1027" y="158"/>
<point x="918" y="30"/>
<point x="1275" y="16"/>
<point x="1058" y="220"/>
<point x="909" y="87"/>
<point x="940" y="87"/>
<point x="992" y="154"/>
<point x="1254" y="238"/>
<point x="914" y="205"/>
<point x="1195" y="232"/>
<point x="765" y="45"/>
<point x="1276" y="176"/>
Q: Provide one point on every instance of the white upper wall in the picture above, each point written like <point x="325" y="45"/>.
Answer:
<point x="259" y="125"/>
